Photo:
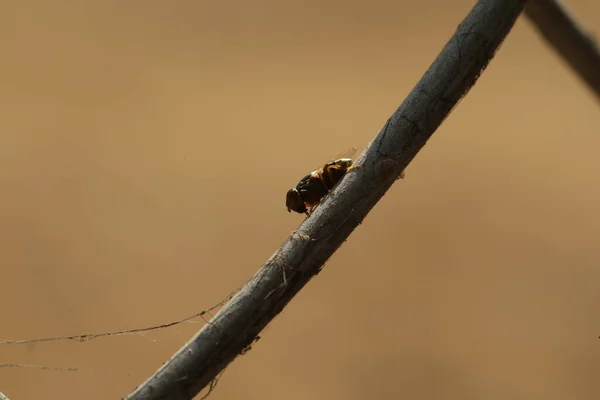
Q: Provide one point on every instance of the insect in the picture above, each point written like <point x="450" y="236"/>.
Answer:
<point x="316" y="185"/>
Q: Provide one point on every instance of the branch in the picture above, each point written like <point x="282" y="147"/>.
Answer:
<point x="569" y="39"/>
<point x="303" y="254"/>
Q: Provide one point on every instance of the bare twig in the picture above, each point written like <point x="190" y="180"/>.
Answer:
<point x="213" y="385"/>
<point x="303" y="254"/>
<point x="89" y="336"/>
<point x="577" y="47"/>
<point x="49" y="367"/>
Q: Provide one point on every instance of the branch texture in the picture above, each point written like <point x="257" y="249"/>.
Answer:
<point x="568" y="38"/>
<point x="303" y="254"/>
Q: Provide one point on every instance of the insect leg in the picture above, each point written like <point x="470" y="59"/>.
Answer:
<point x="354" y="166"/>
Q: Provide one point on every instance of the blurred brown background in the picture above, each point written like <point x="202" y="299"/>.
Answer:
<point x="145" y="151"/>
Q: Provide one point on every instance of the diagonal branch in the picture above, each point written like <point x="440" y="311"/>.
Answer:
<point x="303" y="254"/>
<point x="569" y="39"/>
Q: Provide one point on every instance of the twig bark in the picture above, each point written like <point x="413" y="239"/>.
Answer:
<point x="303" y="254"/>
<point x="560" y="29"/>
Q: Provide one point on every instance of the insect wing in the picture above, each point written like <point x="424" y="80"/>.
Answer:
<point x="349" y="153"/>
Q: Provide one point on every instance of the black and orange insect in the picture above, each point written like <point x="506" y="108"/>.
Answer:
<point x="316" y="185"/>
